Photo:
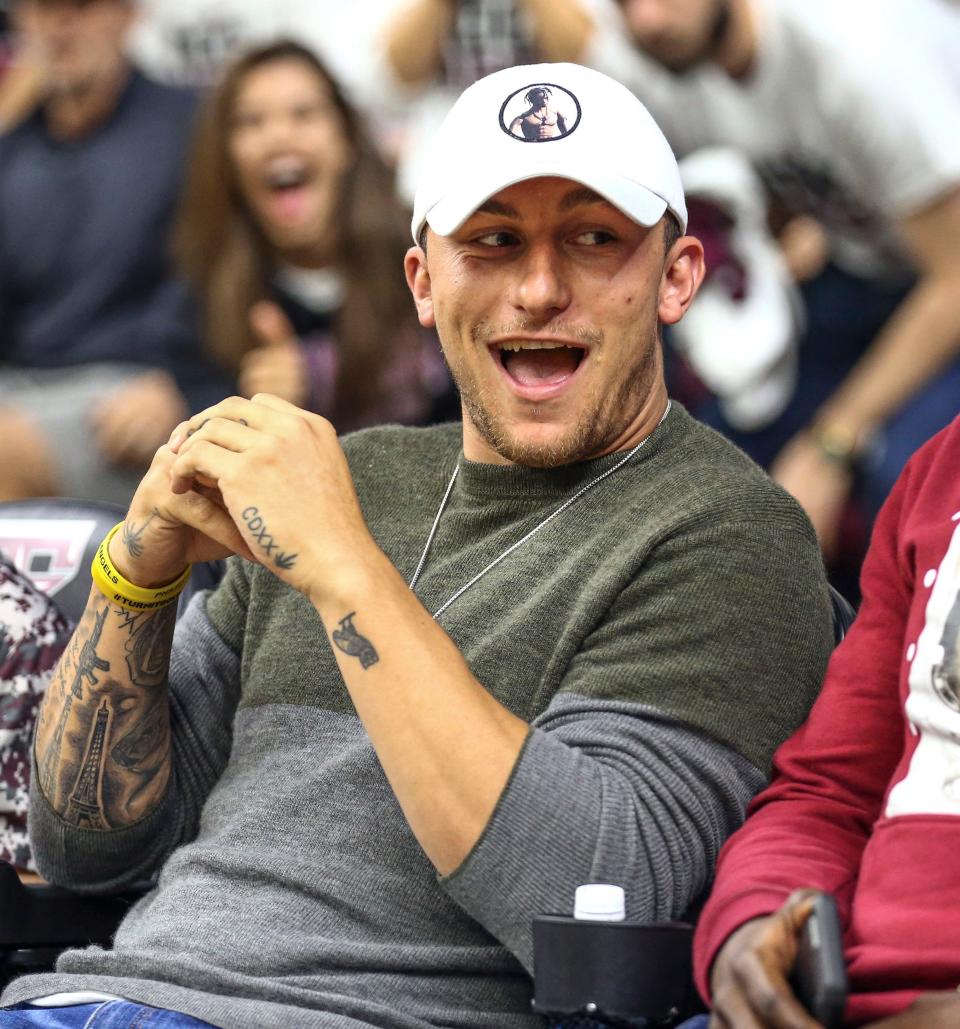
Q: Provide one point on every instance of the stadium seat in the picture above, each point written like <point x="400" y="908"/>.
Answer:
<point x="53" y="541"/>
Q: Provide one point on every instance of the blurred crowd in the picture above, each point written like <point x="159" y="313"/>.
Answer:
<point x="200" y="197"/>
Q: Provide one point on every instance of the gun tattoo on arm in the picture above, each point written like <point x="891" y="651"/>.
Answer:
<point x="351" y="642"/>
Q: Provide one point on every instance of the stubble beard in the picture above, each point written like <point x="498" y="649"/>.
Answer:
<point x="594" y="432"/>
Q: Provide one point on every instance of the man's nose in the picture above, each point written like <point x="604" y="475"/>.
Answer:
<point x="543" y="288"/>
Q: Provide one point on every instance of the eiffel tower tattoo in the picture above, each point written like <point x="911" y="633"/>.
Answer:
<point x="85" y="806"/>
<point x="88" y="665"/>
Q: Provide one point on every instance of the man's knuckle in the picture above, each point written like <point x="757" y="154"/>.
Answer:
<point x="766" y="1001"/>
<point x="722" y="996"/>
<point x="751" y="973"/>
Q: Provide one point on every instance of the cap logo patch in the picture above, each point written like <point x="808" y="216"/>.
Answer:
<point x="540" y="113"/>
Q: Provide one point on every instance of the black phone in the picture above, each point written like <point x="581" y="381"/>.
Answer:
<point x="819" y="976"/>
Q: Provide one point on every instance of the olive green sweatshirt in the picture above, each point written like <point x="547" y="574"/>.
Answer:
<point x="661" y="635"/>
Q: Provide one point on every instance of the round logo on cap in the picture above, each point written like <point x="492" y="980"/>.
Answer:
<point x="540" y="113"/>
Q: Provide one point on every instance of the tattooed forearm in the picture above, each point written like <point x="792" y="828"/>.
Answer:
<point x="103" y="737"/>
<point x="85" y="804"/>
<point x="351" y="642"/>
<point x="133" y="538"/>
<point x="265" y="540"/>
<point x="148" y="645"/>
<point x="86" y="667"/>
<point x="141" y="753"/>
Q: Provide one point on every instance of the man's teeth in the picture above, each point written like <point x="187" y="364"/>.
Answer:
<point x="536" y="345"/>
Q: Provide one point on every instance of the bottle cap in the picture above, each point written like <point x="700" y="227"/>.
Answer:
<point x="600" y="902"/>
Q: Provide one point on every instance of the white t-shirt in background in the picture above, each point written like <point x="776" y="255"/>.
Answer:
<point x="851" y="113"/>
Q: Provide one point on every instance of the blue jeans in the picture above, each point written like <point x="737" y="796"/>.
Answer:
<point x="697" y="1022"/>
<point x="108" y="1014"/>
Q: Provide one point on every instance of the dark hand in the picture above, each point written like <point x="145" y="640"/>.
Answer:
<point x="749" y="977"/>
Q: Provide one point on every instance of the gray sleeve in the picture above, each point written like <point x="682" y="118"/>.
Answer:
<point x="204" y="690"/>
<point x="603" y="791"/>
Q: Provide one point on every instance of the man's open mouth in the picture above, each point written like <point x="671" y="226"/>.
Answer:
<point x="539" y="363"/>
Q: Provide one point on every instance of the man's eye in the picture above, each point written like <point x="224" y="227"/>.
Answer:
<point x="595" y="237"/>
<point x="496" y="239"/>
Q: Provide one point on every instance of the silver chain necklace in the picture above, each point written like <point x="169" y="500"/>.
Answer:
<point x="523" y="539"/>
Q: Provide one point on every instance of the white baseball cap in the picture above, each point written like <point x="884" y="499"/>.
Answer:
<point x="547" y="119"/>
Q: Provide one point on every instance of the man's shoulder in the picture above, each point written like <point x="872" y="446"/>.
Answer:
<point x="706" y="479"/>
<point x="402" y="447"/>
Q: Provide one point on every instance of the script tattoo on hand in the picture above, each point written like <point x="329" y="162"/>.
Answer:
<point x="103" y="738"/>
<point x="256" y="524"/>
<point x="351" y="642"/>
<point x="133" y="538"/>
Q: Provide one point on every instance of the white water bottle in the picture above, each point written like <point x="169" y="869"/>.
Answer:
<point x="599" y="902"/>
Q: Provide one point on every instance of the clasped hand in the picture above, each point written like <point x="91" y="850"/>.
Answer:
<point x="260" y="478"/>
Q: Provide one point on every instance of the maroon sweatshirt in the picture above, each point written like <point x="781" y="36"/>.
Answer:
<point x="865" y="800"/>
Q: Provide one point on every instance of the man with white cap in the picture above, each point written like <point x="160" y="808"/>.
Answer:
<point x="452" y="672"/>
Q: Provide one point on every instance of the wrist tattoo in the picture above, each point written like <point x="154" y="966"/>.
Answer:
<point x="256" y="524"/>
<point x="132" y="538"/>
<point x="351" y="642"/>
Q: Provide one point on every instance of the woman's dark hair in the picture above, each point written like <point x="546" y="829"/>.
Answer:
<point x="225" y="255"/>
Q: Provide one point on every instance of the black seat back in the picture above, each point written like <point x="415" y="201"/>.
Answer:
<point x="53" y="542"/>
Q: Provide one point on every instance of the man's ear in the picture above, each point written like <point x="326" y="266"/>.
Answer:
<point x="683" y="272"/>
<point x="418" y="279"/>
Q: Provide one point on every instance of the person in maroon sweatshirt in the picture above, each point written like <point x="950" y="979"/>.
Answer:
<point x="865" y="799"/>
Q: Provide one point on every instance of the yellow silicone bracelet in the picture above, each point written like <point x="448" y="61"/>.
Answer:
<point x="126" y="594"/>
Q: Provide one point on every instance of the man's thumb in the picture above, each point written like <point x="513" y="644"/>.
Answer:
<point x="270" y="325"/>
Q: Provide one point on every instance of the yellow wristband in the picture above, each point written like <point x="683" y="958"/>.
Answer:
<point x="126" y="594"/>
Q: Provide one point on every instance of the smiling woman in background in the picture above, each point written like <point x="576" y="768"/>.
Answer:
<point x="291" y="236"/>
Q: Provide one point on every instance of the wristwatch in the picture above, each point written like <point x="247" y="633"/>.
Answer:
<point x="837" y="444"/>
